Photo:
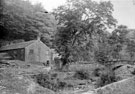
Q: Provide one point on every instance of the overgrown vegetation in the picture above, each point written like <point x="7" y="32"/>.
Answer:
<point x="105" y="76"/>
<point x="45" y="81"/>
<point x="51" y="81"/>
<point x="82" y="75"/>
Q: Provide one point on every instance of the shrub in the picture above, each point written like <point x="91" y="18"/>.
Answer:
<point x="45" y="81"/>
<point x="133" y="72"/>
<point x="81" y="74"/>
<point x="50" y="81"/>
<point x="62" y="85"/>
<point x="96" y="72"/>
<point x="106" y="78"/>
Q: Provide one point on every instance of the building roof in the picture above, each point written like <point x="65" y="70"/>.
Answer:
<point x="17" y="45"/>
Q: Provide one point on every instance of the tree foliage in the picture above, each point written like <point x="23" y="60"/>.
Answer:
<point x="118" y="40"/>
<point x="80" y="21"/>
<point x="112" y="45"/>
<point x="131" y="44"/>
<point x="22" y="20"/>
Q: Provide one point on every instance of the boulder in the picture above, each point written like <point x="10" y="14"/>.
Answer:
<point x="124" y="71"/>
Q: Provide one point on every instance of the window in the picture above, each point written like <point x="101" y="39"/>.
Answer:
<point x="31" y="51"/>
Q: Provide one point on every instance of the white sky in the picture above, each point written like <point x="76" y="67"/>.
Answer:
<point x="124" y="10"/>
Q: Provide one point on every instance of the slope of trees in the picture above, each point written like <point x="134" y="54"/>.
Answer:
<point x="119" y="45"/>
<point x="22" y="20"/>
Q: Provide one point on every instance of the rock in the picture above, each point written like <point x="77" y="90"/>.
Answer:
<point x="124" y="71"/>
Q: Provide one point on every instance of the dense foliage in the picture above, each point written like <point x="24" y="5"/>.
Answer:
<point x="51" y="82"/>
<point x="106" y="76"/>
<point x="82" y="75"/>
<point x="81" y="23"/>
<point x="22" y="20"/>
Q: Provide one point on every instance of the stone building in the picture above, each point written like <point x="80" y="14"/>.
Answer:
<point x="30" y="51"/>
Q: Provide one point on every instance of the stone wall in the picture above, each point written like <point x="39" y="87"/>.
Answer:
<point x="126" y="86"/>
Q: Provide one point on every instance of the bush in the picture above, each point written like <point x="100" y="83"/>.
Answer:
<point x="62" y="85"/>
<point x="106" y="78"/>
<point x="101" y="57"/>
<point x="96" y="72"/>
<point x="81" y="74"/>
<point x="45" y="81"/>
<point x="50" y="81"/>
<point x="133" y="72"/>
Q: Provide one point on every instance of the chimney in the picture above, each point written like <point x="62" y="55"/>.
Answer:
<point x="39" y="36"/>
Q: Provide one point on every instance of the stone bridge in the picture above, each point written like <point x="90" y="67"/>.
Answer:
<point x="121" y="62"/>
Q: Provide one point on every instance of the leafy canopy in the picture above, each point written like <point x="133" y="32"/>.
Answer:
<point x="80" y="21"/>
<point x="22" y="20"/>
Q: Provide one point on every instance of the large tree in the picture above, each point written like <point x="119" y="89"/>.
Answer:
<point x="80" y="22"/>
<point x="22" y="20"/>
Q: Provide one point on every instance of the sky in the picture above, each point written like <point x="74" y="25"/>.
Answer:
<point x="124" y="10"/>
